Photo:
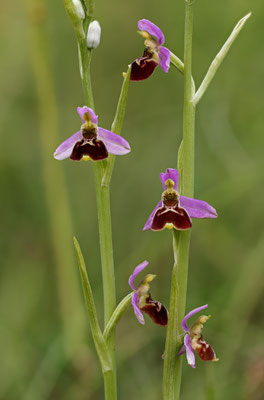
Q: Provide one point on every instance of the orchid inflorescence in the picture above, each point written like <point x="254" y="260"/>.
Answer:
<point x="174" y="211"/>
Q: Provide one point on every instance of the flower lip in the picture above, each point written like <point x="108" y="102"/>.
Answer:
<point x="142" y="68"/>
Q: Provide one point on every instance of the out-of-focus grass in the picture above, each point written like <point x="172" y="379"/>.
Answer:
<point x="226" y="254"/>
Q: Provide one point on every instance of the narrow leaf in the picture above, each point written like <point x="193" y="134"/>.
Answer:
<point x="116" y="316"/>
<point x="99" y="341"/>
<point x="218" y="60"/>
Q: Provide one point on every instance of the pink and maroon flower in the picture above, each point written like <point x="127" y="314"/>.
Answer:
<point x="154" y="54"/>
<point x="91" y="141"/>
<point x="175" y="211"/>
<point x="193" y="340"/>
<point x="142" y="301"/>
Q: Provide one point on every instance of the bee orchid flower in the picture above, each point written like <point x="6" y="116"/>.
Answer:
<point x="154" y="54"/>
<point x="193" y="340"/>
<point x="91" y="141"/>
<point x="175" y="211"/>
<point x="142" y="301"/>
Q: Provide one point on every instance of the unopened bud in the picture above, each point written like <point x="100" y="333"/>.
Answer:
<point x="79" y="9"/>
<point x="94" y="35"/>
<point x="76" y="12"/>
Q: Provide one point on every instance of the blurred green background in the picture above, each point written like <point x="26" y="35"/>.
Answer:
<point x="46" y="346"/>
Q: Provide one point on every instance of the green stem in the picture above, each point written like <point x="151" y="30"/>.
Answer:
<point x="105" y="226"/>
<point x="177" y="63"/>
<point x="105" y="235"/>
<point x="181" y="240"/>
<point x="85" y="57"/>
<point x="117" y="125"/>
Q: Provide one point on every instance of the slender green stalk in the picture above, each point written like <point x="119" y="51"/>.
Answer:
<point x="105" y="226"/>
<point x="56" y="193"/>
<point x="177" y="63"/>
<point x="85" y="57"/>
<point x="117" y="125"/>
<point x="181" y="240"/>
<point x="171" y="338"/>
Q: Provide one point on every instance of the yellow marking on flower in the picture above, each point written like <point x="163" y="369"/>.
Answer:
<point x="144" y="34"/>
<point x="197" y="327"/>
<point x="143" y="287"/>
<point x="169" y="226"/>
<point x="169" y="184"/>
<point x="87" y="117"/>
<point x="124" y="74"/>
<point x="86" y="158"/>
<point x="148" y="278"/>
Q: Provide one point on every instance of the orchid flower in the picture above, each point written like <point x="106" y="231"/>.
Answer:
<point x="91" y="141"/>
<point x="154" y="54"/>
<point x="193" y="340"/>
<point x="175" y="211"/>
<point x="142" y="301"/>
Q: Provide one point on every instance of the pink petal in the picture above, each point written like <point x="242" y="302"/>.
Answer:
<point x="164" y="56"/>
<point x="197" y="208"/>
<point x="170" y="174"/>
<point x="65" y="148"/>
<point x="189" y="351"/>
<point x="150" y="218"/>
<point x="137" y="311"/>
<point x="114" y="143"/>
<point x="152" y="29"/>
<point x="137" y="271"/>
<point x="182" y="350"/>
<point x="189" y="315"/>
<point x="85" y="109"/>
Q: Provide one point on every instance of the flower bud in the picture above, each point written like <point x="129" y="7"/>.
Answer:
<point x="78" y="9"/>
<point x="76" y="12"/>
<point x="93" y="35"/>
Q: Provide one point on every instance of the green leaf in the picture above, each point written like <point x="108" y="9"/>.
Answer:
<point x="98" y="338"/>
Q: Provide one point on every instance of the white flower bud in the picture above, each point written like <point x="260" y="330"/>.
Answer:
<point x="78" y="9"/>
<point x="94" y="35"/>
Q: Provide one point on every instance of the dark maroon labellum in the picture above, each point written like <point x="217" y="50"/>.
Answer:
<point x="95" y="149"/>
<point x="143" y="67"/>
<point x="204" y="350"/>
<point x="157" y="311"/>
<point x="176" y="216"/>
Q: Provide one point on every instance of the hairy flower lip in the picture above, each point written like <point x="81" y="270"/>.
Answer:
<point x="154" y="54"/>
<point x="106" y="141"/>
<point x="194" y="208"/>
<point x="142" y="301"/>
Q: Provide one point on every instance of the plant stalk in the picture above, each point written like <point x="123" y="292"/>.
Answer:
<point x="181" y="240"/>
<point x="105" y="227"/>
